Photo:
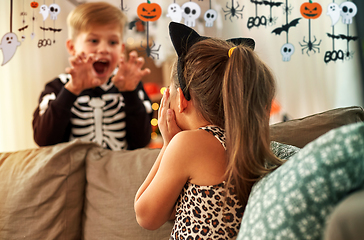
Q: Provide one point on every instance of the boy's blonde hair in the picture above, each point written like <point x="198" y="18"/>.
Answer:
<point x="86" y="15"/>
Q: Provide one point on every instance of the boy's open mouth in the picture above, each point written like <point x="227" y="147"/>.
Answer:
<point x="101" y="66"/>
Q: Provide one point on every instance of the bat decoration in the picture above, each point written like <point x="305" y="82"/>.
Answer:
<point x="138" y="24"/>
<point x="342" y="36"/>
<point x="272" y="20"/>
<point x="22" y="29"/>
<point x="51" y="29"/>
<point x="286" y="27"/>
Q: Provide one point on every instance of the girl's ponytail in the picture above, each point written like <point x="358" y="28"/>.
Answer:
<point x="248" y="90"/>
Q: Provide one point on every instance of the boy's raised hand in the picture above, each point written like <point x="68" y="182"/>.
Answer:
<point x="81" y="72"/>
<point x="130" y="73"/>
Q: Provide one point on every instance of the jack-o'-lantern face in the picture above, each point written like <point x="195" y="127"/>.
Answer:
<point x="149" y="12"/>
<point x="34" y="4"/>
<point x="311" y="10"/>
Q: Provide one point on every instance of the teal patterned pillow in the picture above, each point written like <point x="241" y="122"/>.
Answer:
<point x="294" y="201"/>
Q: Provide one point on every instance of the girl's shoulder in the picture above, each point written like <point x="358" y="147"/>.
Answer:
<point x="203" y="156"/>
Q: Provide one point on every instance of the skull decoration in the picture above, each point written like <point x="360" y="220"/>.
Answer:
<point x="190" y="12"/>
<point x="175" y="12"/>
<point x="348" y="11"/>
<point x="210" y="16"/>
<point x="287" y="50"/>
<point x="54" y="10"/>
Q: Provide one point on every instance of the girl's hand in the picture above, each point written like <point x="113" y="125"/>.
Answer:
<point x="167" y="120"/>
<point x="130" y="73"/>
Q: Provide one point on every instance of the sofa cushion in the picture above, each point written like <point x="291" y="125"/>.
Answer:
<point x="113" y="178"/>
<point x="41" y="192"/>
<point x="299" y="132"/>
<point x="294" y="201"/>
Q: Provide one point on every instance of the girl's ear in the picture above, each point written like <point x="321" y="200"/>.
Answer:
<point x="70" y="47"/>
<point x="182" y="101"/>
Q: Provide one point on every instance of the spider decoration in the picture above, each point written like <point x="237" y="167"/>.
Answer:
<point x="149" y="50"/>
<point x="233" y="12"/>
<point x="310" y="10"/>
<point x="310" y="45"/>
<point x="287" y="9"/>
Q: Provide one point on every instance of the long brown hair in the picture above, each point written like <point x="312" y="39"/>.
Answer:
<point x="234" y="93"/>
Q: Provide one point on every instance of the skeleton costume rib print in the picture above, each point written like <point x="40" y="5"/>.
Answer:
<point x="115" y="120"/>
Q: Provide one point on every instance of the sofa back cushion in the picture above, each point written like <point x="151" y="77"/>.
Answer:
<point x="299" y="132"/>
<point x="113" y="178"/>
<point x="41" y="192"/>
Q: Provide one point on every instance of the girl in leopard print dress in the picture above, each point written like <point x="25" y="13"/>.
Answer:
<point x="214" y="120"/>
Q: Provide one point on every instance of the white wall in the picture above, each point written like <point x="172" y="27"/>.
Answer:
<point x="306" y="85"/>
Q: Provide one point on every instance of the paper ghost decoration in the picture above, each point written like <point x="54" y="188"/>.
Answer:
<point x="8" y="45"/>
<point x="190" y="12"/>
<point x="175" y="12"/>
<point x="333" y="10"/>
<point x="44" y="11"/>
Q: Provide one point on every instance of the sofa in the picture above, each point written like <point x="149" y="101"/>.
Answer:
<point x="78" y="190"/>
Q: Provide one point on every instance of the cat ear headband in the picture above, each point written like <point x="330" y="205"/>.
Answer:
<point x="183" y="38"/>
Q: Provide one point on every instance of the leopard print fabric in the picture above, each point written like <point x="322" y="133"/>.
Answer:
<point x="202" y="212"/>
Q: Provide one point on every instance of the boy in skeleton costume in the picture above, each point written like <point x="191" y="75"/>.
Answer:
<point x="100" y="98"/>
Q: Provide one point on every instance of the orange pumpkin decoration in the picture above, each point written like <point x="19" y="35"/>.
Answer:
<point x="34" y="4"/>
<point x="311" y="10"/>
<point x="149" y="12"/>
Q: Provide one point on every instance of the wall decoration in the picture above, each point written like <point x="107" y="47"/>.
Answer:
<point x="190" y="12"/>
<point x="24" y="27"/>
<point x="149" y="12"/>
<point x="53" y="10"/>
<point x="9" y="42"/>
<point x="347" y="10"/>
<point x="210" y="16"/>
<point x="33" y="5"/>
<point x="287" y="49"/>
<point x="175" y="12"/>
<point x="262" y="20"/>
<point x="122" y="7"/>
<point x="310" y="10"/>
<point x="232" y="11"/>
<point x="272" y="20"/>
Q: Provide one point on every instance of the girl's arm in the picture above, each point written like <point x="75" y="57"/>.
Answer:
<point x="155" y="199"/>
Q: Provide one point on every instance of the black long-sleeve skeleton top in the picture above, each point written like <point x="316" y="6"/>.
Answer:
<point x="115" y="120"/>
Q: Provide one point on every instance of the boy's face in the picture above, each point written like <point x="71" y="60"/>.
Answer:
<point x="105" y="42"/>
